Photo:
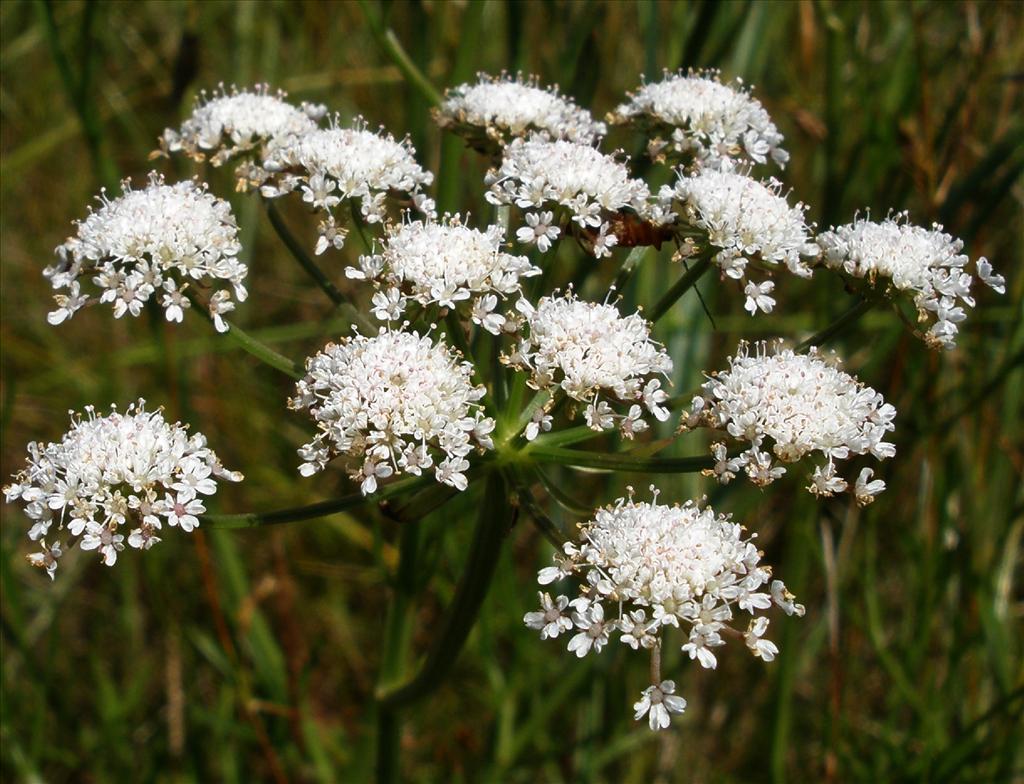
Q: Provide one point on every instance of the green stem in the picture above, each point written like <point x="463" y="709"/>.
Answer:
<point x="313" y="511"/>
<point x="850" y="317"/>
<point x="613" y="462"/>
<point x="629" y="266"/>
<point x="572" y="435"/>
<point x="300" y="255"/>
<point x="262" y="352"/>
<point x="389" y="42"/>
<point x="494" y="521"/>
<point x="357" y="221"/>
<point x="684" y="284"/>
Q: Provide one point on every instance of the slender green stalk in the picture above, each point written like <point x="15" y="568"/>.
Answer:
<point x="681" y="286"/>
<point x="389" y="42"/>
<point x="300" y="255"/>
<point x="572" y="435"/>
<point x="494" y="521"/>
<point x="357" y="221"/>
<point x="544" y="524"/>
<point x="262" y="352"/>
<point x="313" y="511"/>
<point x="629" y="266"/>
<point x="841" y="324"/>
<point x="613" y="462"/>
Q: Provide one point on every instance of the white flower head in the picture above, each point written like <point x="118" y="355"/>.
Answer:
<point x="572" y="179"/>
<point x="747" y="222"/>
<point x="660" y="565"/>
<point x="451" y="265"/>
<point x="695" y="117"/>
<point x="130" y="470"/>
<point x="494" y="110"/>
<point x="658" y="702"/>
<point x="230" y="123"/>
<point x="595" y="356"/>
<point x="787" y="405"/>
<point x="152" y="242"/>
<point x="330" y="166"/>
<point x="926" y="263"/>
<point x="390" y="404"/>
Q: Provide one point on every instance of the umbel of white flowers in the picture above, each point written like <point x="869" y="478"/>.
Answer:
<point x="694" y="118"/>
<point x="109" y="475"/>
<point x="594" y="355"/>
<point x="494" y="110"/>
<point x="388" y="404"/>
<point x="151" y="243"/>
<point x="335" y="165"/>
<point x="786" y="405"/>
<point x="746" y="222"/>
<point x="227" y="124"/>
<point x="449" y="265"/>
<point x="644" y="566"/>
<point x="927" y="263"/>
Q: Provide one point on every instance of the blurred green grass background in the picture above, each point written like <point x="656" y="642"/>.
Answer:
<point x="252" y="655"/>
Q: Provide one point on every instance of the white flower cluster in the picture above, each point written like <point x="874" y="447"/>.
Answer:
<point x="110" y="473"/>
<point x="497" y="109"/>
<point x="445" y="263"/>
<point x="745" y="221"/>
<point x="573" y="178"/>
<point x="794" y="404"/>
<point x="927" y="262"/>
<point x="386" y="403"/>
<point x="331" y="165"/>
<point x="588" y="350"/>
<point x="657" y="566"/>
<point x="705" y="120"/>
<point x="151" y="242"/>
<point x="235" y="122"/>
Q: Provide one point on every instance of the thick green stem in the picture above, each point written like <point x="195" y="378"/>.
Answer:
<point x="849" y="318"/>
<point x="613" y="462"/>
<point x="300" y="255"/>
<point x="684" y="284"/>
<point x="494" y="521"/>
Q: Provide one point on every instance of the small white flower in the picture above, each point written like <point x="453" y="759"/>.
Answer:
<point x="100" y="537"/>
<point x="539" y="230"/>
<point x="551" y="619"/>
<point x="784" y="599"/>
<point x="763" y="649"/>
<point x="658" y="703"/>
<point x="47" y="558"/>
<point x="758" y="297"/>
<point x="865" y="488"/>
<point x="539" y="422"/>
<point x="593" y="634"/>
